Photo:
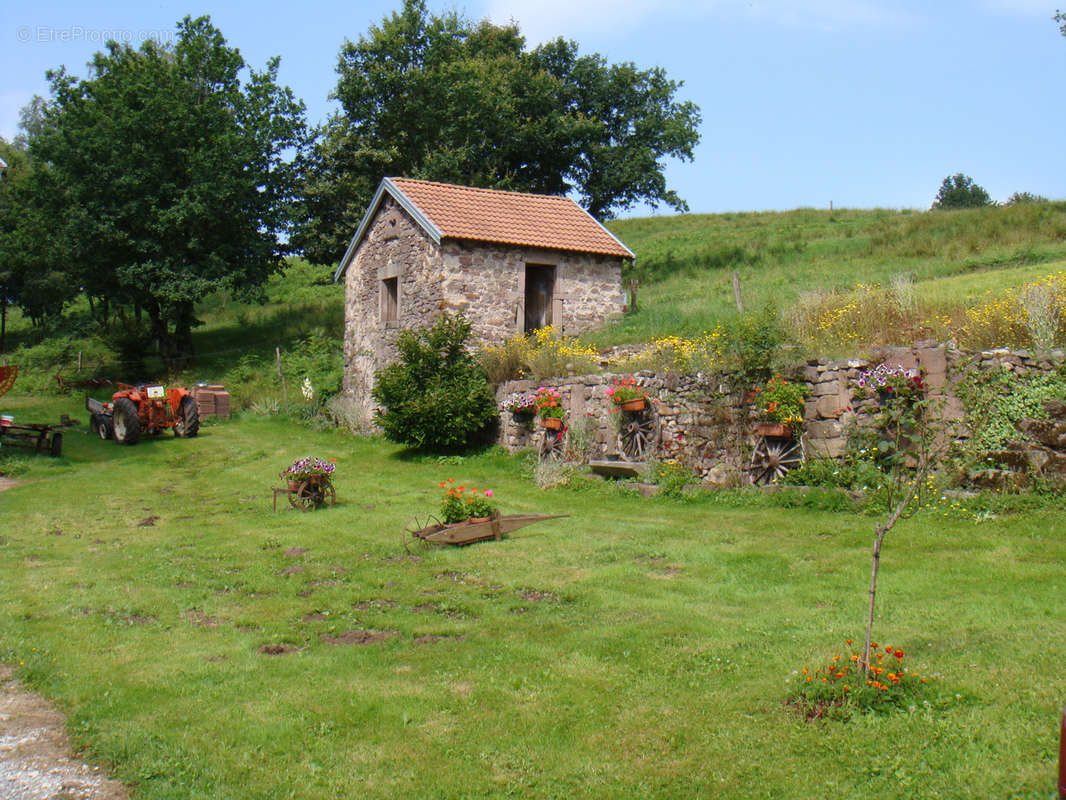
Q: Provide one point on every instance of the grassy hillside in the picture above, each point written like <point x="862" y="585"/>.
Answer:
<point x="685" y="263"/>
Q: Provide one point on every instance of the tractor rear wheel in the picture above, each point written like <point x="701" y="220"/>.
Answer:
<point x="126" y="423"/>
<point x="188" y="422"/>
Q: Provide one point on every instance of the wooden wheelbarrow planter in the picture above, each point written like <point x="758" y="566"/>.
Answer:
<point x="308" y="494"/>
<point x="462" y="533"/>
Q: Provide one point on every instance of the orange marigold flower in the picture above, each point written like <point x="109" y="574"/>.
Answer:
<point x="836" y="658"/>
<point x="898" y="654"/>
<point x="873" y="644"/>
<point x="847" y="641"/>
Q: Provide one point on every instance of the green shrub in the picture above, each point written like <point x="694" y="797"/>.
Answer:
<point x="436" y="396"/>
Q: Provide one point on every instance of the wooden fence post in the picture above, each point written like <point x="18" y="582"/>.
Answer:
<point x="633" y="284"/>
<point x="736" y="291"/>
<point x="281" y="377"/>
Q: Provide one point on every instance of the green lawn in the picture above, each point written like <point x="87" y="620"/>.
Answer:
<point x="639" y="648"/>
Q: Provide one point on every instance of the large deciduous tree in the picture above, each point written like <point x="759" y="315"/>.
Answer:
<point x="33" y="257"/>
<point x="176" y="178"/>
<point x="441" y="98"/>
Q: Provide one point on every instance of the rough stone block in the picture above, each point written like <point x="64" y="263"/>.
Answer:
<point x="826" y="387"/>
<point x="826" y="448"/>
<point x="829" y="406"/>
<point x="824" y="429"/>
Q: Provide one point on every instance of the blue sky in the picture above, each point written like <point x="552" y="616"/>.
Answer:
<point x="861" y="103"/>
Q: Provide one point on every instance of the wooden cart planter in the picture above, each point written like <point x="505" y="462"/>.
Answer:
<point x="430" y="531"/>
<point x="308" y="494"/>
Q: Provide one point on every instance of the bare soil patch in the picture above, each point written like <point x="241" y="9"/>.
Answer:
<point x="197" y="617"/>
<point x="36" y="762"/>
<point x="277" y="649"/>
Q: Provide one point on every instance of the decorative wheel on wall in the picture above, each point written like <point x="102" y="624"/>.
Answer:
<point x="552" y="445"/>
<point x="773" y="457"/>
<point x="638" y="433"/>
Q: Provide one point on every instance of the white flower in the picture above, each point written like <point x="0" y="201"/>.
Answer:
<point x="308" y="390"/>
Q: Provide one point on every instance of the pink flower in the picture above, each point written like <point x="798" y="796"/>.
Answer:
<point x="488" y="493"/>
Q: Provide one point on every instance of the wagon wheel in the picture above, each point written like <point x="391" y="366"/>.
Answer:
<point x="329" y="494"/>
<point x="638" y="434"/>
<point x="773" y="457"/>
<point x="414" y="525"/>
<point x="307" y="497"/>
<point x="552" y="445"/>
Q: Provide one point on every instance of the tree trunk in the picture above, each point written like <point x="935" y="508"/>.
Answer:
<point x="879" y="538"/>
<point x="3" y="324"/>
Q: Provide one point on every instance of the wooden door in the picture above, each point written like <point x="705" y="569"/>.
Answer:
<point x="540" y="291"/>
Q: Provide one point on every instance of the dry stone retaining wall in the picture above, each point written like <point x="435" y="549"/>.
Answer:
<point x="707" y="426"/>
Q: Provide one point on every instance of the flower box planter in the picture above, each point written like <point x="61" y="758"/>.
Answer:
<point x="551" y="423"/>
<point x="637" y="404"/>
<point x="777" y="430"/>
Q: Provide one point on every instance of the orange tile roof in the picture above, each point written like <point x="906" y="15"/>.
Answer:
<point x="490" y="215"/>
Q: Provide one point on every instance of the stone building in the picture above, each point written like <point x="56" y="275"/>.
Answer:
<point x="511" y="262"/>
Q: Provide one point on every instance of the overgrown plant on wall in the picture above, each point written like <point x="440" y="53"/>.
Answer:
<point x="997" y="399"/>
<point x="436" y="396"/>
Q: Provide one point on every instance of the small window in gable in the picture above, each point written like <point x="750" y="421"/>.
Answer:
<point x="390" y="297"/>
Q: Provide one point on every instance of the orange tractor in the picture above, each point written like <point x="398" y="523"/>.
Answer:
<point x="136" y="410"/>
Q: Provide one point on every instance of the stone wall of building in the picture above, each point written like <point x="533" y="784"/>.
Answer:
<point x="486" y="282"/>
<point x="709" y="427"/>
<point x="483" y="281"/>
<point x="394" y="246"/>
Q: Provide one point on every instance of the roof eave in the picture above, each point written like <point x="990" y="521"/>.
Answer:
<point x="404" y="202"/>
<point x="608" y="232"/>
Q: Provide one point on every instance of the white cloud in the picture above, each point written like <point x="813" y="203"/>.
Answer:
<point x="540" y="20"/>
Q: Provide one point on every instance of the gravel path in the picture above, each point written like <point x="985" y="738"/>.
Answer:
<point x="36" y="762"/>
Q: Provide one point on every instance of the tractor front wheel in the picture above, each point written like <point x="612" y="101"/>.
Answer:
<point x="188" y="421"/>
<point x="126" y="423"/>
